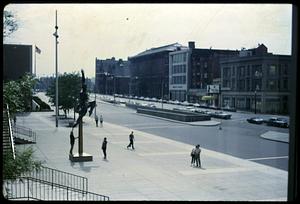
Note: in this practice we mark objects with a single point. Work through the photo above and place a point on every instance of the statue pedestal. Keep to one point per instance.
(80, 157)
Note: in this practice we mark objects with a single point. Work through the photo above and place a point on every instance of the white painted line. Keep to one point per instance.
(162, 153)
(268, 158)
(138, 142)
(208, 170)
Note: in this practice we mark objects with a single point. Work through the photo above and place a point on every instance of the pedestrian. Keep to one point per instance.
(197, 156)
(96, 119)
(193, 156)
(131, 139)
(101, 120)
(72, 141)
(15, 120)
(104, 145)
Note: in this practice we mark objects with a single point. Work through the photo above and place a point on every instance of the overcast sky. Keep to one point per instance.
(87, 31)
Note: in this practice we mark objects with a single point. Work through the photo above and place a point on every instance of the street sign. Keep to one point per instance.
(213, 88)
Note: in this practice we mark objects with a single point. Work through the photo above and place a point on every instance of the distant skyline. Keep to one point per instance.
(90, 31)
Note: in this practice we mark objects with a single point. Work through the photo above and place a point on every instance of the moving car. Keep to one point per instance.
(278, 122)
(255, 120)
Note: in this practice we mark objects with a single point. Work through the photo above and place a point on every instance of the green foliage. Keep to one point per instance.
(10, 24)
(23, 163)
(17, 94)
(69, 86)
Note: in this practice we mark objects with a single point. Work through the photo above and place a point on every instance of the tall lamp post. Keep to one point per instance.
(257, 75)
(95, 103)
(162, 94)
(56, 68)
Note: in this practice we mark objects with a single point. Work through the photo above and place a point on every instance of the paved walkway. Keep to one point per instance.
(158, 168)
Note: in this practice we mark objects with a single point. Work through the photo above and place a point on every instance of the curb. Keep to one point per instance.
(175, 121)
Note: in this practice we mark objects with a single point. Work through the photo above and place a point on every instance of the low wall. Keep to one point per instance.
(174, 115)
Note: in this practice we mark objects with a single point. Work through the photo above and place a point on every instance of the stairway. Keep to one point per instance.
(7, 140)
(23, 135)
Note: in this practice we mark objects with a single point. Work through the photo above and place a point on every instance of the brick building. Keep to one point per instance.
(256, 81)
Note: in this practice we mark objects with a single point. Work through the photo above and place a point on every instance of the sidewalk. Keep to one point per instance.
(158, 168)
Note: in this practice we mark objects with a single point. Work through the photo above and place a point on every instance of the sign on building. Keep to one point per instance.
(213, 88)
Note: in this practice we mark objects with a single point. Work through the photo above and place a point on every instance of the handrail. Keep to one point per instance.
(60, 177)
(21, 130)
(10, 132)
(33, 188)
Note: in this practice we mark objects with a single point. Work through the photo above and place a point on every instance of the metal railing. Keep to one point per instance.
(10, 132)
(57, 177)
(27, 188)
(24, 133)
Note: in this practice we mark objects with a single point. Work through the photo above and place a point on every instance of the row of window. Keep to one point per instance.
(178, 68)
(256, 70)
(178, 80)
(181, 57)
(244, 85)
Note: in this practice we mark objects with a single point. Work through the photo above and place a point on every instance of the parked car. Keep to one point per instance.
(196, 105)
(278, 122)
(220, 114)
(255, 120)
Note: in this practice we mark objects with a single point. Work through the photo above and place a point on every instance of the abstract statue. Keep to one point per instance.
(82, 108)
(84, 105)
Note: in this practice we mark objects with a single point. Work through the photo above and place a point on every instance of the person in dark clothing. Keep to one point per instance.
(15, 120)
(193, 156)
(101, 120)
(72, 141)
(197, 156)
(104, 145)
(131, 139)
(96, 119)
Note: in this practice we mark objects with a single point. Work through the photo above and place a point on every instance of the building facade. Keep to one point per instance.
(150, 72)
(112, 73)
(256, 81)
(192, 70)
(17, 60)
(178, 74)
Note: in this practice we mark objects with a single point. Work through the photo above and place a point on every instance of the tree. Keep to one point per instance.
(18, 94)
(23, 163)
(10, 24)
(69, 86)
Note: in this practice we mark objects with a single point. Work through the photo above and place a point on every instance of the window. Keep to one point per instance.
(272, 70)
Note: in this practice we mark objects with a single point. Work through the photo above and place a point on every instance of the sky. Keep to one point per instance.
(90, 31)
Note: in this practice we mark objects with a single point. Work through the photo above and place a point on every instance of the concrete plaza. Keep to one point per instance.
(158, 168)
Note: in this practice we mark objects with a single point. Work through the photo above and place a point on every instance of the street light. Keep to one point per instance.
(256, 89)
(257, 74)
(56, 68)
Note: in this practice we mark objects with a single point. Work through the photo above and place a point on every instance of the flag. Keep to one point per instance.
(37, 50)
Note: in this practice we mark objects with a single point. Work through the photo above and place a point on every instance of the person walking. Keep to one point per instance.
(197, 156)
(101, 120)
(15, 120)
(96, 119)
(104, 145)
(131, 139)
(72, 141)
(193, 156)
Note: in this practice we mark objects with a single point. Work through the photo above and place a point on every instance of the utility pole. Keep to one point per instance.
(162, 94)
(56, 68)
(95, 103)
